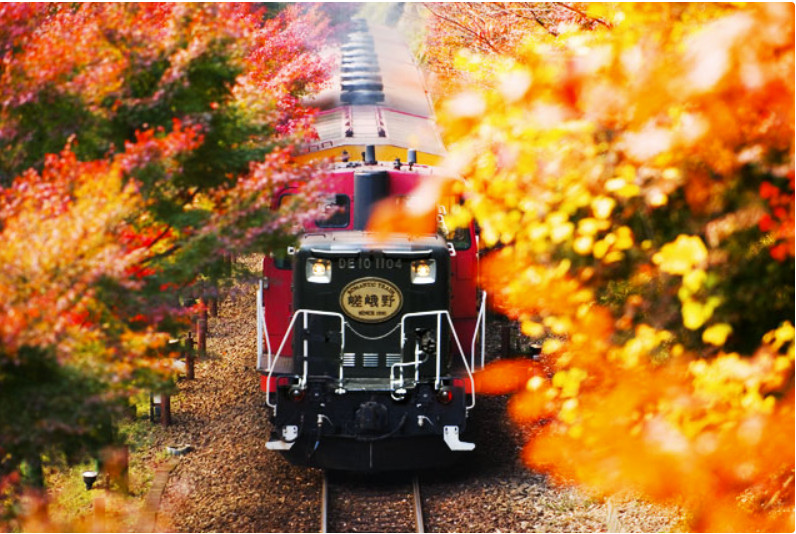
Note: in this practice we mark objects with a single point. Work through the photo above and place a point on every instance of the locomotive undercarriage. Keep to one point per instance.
(411, 416)
(367, 429)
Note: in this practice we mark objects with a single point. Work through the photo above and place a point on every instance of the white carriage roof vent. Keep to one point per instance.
(352, 54)
(359, 52)
(362, 97)
(362, 85)
(365, 68)
(368, 64)
(352, 76)
(359, 46)
(361, 49)
(360, 37)
(360, 58)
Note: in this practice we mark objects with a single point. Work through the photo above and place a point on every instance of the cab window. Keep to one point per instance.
(336, 212)
(282, 260)
(460, 237)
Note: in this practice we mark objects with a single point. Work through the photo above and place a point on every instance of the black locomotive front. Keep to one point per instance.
(375, 382)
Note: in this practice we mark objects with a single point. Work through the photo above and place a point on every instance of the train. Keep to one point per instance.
(366, 345)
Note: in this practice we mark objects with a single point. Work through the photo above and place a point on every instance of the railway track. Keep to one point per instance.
(356, 503)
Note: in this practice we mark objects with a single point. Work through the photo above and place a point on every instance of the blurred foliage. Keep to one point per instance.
(634, 165)
(488, 28)
(140, 145)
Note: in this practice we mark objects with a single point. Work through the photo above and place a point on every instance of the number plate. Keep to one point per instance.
(371, 300)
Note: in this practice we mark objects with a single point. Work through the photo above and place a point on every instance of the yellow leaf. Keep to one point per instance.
(602, 207)
(717, 334)
(672, 174)
(551, 346)
(583, 244)
(783, 334)
(615, 184)
(629, 191)
(569, 381)
(694, 280)
(590, 226)
(532, 329)
(695, 314)
(562, 232)
(624, 238)
(657, 198)
(681, 256)
(782, 363)
(575, 431)
(568, 413)
(600, 249)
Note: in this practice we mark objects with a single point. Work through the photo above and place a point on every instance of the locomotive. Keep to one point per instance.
(376, 339)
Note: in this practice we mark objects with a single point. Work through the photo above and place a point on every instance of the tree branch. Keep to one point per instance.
(535, 18)
(463, 27)
(160, 255)
(584, 15)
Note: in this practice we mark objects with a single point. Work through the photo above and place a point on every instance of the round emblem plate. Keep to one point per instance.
(371, 300)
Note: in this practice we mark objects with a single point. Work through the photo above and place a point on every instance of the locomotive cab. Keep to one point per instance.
(375, 357)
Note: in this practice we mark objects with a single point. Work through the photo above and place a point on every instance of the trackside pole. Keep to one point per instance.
(201, 329)
(189, 357)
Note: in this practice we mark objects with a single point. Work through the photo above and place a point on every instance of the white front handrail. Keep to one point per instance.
(262, 327)
(305, 313)
(439, 314)
(480, 322)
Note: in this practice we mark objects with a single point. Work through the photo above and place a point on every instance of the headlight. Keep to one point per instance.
(319, 271)
(423, 272)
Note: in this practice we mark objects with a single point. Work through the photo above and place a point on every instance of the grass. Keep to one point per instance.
(69, 500)
(72, 507)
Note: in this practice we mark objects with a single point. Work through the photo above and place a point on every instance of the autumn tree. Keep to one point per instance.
(139, 143)
(491, 28)
(635, 166)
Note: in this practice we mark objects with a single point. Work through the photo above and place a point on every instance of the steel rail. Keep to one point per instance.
(325, 504)
(418, 505)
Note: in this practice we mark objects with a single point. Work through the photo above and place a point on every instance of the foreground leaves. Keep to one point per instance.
(141, 145)
(638, 178)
